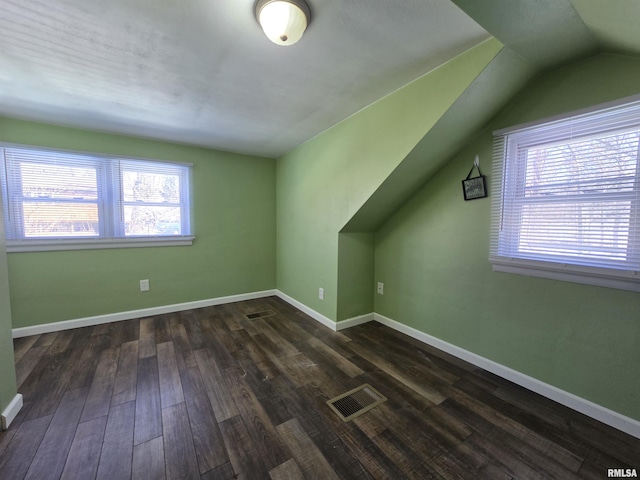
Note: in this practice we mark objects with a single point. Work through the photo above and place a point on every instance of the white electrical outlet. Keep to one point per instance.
(144, 285)
(380, 288)
(321, 293)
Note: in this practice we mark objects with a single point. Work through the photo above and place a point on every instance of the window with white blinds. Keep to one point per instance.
(567, 202)
(61, 200)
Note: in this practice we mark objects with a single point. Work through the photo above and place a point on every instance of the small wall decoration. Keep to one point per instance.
(474, 187)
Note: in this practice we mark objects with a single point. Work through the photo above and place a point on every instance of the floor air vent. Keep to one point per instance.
(356, 402)
(266, 313)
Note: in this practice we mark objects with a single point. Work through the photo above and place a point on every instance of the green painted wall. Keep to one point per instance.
(234, 250)
(7, 372)
(355, 274)
(433, 253)
(324, 182)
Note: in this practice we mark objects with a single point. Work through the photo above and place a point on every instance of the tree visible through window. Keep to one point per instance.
(151, 203)
(569, 197)
(61, 195)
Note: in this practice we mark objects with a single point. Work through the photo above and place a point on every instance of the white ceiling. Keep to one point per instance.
(201, 72)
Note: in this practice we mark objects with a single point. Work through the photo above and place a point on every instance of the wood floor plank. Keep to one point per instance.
(52, 377)
(170, 386)
(560, 454)
(51, 456)
(84, 454)
(215, 383)
(412, 464)
(288, 470)
(5, 438)
(80, 338)
(222, 334)
(351, 452)
(180, 455)
(99, 399)
(27, 362)
(298, 368)
(218, 353)
(46, 339)
(246, 399)
(182, 347)
(263, 434)
(245, 460)
(102, 329)
(278, 395)
(477, 465)
(162, 330)
(90, 353)
(124, 386)
(207, 438)
(442, 359)
(411, 357)
(252, 355)
(147, 339)
(191, 323)
(148, 419)
(286, 327)
(20, 452)
(130, 331)
(348, 449)
(62, 341)
(117, 449)
(429, 392)
(148, 460)
(511, 453)
(22, 345)
(223, 472)
(494, 449)
(305, 452)
(341, 362)
(281, 346)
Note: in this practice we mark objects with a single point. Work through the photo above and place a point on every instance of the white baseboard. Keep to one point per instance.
(145, 312)
(593, 410)
(355, 321)
(326, 321)
(11, 411)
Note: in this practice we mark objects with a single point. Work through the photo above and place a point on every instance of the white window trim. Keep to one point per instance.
(76, 243)
(602, 277)
(598, 276)
(38, 245)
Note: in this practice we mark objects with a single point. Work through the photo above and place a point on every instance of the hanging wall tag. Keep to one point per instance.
(474, 187)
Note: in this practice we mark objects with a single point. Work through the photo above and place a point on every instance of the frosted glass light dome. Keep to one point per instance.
(283, 22)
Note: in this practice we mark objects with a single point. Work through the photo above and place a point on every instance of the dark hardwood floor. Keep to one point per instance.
(212, 394)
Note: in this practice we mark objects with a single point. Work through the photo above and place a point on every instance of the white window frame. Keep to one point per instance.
(110, 203)
(507, 171)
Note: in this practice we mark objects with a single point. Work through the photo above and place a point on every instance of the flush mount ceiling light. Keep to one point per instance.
(283, 21)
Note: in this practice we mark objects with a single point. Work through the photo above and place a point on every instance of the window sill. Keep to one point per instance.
(601, 277)
(51, 245)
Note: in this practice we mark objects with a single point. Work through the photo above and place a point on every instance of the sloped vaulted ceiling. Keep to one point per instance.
(201, 72)
(537, 36)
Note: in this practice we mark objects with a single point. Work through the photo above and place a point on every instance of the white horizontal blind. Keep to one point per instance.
(53, 195)
(570, 193)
